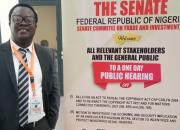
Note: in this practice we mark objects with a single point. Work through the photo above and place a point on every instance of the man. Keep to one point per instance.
(29, 87)
(52, 51)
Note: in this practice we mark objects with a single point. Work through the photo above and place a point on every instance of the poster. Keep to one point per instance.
(121, 64)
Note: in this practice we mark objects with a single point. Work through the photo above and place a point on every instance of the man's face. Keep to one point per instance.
(22, 25)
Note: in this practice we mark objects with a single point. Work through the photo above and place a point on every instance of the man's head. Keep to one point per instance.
(44, 43)
(23, 22)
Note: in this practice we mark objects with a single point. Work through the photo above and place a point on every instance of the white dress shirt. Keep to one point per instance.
(32, 117)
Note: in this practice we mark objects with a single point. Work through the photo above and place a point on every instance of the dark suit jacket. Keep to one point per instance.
(9, 92)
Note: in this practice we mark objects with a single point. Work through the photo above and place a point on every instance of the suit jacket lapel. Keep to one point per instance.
(10, 64)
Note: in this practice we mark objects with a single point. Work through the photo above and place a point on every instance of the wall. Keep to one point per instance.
(46, 28)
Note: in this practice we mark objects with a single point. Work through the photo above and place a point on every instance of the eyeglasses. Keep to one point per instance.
(28, 19)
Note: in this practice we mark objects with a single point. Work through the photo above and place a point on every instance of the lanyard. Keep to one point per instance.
(28, 69)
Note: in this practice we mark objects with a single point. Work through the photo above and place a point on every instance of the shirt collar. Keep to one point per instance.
(17, 47)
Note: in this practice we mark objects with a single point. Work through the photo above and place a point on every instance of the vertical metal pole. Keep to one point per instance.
(59, 44)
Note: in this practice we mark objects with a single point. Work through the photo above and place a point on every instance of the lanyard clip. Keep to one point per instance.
(32, 79)
(33, 85)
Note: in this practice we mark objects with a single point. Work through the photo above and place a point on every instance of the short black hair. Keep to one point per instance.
(23, 5)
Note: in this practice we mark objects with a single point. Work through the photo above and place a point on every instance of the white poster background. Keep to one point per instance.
(78, 73)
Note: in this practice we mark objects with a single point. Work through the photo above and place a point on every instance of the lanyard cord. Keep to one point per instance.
(28, 69)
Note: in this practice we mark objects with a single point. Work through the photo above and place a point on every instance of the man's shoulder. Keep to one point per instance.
(41, 48)
(46, 49)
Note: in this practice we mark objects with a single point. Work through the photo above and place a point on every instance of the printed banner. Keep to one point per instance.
(121, 65)
(105, 72)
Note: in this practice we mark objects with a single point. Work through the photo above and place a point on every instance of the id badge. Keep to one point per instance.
(36, 106)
